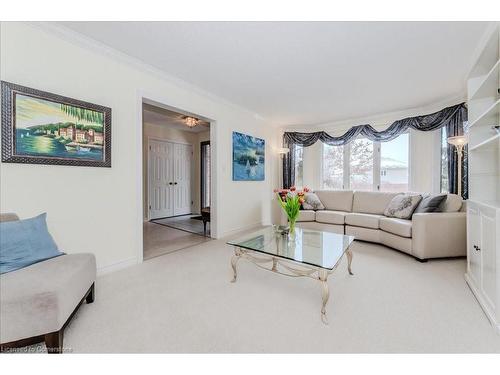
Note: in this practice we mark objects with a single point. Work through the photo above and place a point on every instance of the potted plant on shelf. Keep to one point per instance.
(291, 200)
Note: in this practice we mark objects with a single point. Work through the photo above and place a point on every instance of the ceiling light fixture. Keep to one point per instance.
(191, 121)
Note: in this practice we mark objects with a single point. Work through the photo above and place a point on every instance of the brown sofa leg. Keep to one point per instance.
(91, 295)
(54, 342)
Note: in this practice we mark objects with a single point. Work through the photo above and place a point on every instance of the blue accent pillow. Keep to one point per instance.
(25, 242)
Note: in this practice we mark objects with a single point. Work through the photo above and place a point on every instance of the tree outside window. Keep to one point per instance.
(333, 167)
(361, 164)
(299, 165)
(354, 165)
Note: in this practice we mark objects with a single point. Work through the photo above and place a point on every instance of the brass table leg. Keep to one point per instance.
(275, 262)
(325, 293)
(349, 261)
(234, 261)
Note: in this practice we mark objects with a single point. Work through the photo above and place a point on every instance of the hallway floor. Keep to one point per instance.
(160, 240)
(185, 222)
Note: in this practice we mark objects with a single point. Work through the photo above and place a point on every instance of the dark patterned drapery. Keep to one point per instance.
(453, 118)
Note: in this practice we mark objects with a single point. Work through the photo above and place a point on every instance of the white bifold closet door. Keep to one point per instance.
(169, 166)
(182, 179)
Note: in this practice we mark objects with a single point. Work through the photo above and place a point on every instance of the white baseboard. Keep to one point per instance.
(116, 266)
(480, 299)
(241, 229)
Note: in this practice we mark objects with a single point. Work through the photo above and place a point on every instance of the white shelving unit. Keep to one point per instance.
(483, 208)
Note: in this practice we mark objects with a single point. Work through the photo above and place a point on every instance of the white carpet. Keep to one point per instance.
(184, 302)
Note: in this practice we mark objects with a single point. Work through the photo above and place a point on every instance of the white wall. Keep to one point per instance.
(61, 63)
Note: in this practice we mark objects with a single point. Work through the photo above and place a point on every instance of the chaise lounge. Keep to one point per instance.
(37, 302)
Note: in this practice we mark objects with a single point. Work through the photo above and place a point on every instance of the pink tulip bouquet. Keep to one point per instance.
(291, 200)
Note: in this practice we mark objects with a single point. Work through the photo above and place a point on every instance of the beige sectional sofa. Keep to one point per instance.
(361, 214)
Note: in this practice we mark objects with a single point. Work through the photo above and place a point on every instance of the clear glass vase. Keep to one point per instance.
(291, 223)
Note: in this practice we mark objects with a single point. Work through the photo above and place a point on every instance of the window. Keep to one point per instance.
(366, 165)
(299, 165)
(394, 164)
(361, 164)
(444, 162)
(333, 167)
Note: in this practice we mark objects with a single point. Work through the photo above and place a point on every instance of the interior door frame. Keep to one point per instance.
(148, 190)
(202, 190)
(195, 111)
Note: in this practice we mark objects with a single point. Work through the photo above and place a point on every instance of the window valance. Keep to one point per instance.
(452, 118)
(447, 116)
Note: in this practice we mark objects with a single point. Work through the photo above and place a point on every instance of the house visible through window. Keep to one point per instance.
(394, 164)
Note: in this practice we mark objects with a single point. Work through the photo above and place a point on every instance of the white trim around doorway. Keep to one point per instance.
(214, 219)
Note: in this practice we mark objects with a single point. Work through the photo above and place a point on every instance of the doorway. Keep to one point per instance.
(172, 179)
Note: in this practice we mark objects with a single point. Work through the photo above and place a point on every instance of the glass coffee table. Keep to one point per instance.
(307, 253)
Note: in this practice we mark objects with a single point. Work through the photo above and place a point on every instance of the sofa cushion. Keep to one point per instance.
(401, 227)
(38, 299)
(306, 215)
(403, 244)
(363, 220)
(330, 217)
(453, 203)
(363, 234)
(431, 203)
(336, 200)
(402, 206)
(25, 242)
(312, 202)
(371, 202)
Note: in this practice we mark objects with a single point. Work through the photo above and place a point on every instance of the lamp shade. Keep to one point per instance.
(459, 140)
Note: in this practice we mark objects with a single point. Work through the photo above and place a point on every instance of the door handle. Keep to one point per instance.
(170, 183)
(175, 183)
(477, 248)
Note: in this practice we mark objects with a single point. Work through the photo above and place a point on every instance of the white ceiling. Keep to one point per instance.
(305, 72)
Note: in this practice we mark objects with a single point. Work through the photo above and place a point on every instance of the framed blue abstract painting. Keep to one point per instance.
(248, 158)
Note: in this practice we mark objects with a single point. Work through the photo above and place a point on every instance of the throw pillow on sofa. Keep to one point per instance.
(312, 202)
(25, 242)
(431, 203)
(402, 206)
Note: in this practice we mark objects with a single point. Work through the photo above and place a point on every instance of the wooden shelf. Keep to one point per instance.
(490, 142)
(489, 117)
(489, 85)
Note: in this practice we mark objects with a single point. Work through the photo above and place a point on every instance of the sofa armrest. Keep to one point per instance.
(440, 234)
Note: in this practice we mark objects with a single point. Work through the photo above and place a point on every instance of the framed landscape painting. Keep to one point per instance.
(248, 158)
(43, 128)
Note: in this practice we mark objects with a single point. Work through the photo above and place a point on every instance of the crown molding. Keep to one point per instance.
(84, 41)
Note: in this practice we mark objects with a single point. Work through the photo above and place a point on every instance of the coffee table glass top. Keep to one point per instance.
(312, 247)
